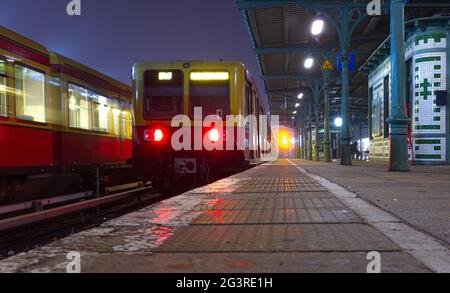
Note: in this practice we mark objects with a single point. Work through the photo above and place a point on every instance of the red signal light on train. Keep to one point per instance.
(214, 135)
(156, 135)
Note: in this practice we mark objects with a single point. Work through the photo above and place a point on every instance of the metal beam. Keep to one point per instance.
(306, 51)
(286, 89)
(297, 49)
(312, 4)
(312, 48)
(266, 77)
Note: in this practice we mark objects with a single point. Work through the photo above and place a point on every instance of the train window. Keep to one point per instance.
(100, 111)
(78, 107)
(163, 94)
(211, 94)
(2, 68)
(3, 102)
(126, 124)
(116, 118)
(30, 94)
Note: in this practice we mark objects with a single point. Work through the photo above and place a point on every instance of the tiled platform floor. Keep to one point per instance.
(271, 218)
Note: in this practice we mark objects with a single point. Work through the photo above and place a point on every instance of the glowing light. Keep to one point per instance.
(165, 76)
(213, 135)
(116, 112)
(293, 141)
(295, 112)
(210, 76)
(300, 96)
(309, 62)
(72, 100)
(158, 135)
(317, 27)
(338, 122)
(284, 138)
(297, 105)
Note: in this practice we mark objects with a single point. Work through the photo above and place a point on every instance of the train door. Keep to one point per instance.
(117, 137)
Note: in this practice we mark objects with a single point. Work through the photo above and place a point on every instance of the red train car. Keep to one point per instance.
(59, 120)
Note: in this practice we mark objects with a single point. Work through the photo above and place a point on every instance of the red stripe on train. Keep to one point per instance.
(24, 52)
(28, 147)
(93, 80)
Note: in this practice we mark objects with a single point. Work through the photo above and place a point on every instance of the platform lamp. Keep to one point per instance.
(317, 26)
(309, 62)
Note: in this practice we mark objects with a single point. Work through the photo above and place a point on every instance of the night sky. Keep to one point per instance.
(113, 34)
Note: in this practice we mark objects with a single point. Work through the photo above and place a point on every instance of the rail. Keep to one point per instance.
(35, 217)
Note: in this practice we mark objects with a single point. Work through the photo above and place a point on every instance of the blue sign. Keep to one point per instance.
(351, 64)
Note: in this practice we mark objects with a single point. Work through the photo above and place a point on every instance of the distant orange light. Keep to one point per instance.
(284, 139)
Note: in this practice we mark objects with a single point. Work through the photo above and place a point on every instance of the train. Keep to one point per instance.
(166, 90)
(67, 128)
(59, 122)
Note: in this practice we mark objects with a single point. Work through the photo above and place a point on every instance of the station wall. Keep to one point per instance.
(427, 60)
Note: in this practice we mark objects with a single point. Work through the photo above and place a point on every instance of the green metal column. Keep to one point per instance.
(304, 133)
(304, 136)
(326, 118)
(345, 130)
(303, 143)
(310, 155)
(316, 130)
(298, 143)
(369, 113)
(398, 159)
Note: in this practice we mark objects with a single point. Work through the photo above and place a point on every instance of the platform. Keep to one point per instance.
(276, 217)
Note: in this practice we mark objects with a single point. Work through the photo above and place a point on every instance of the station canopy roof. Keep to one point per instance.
(281, 34)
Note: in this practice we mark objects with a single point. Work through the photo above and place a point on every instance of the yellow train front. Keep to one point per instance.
(164, 92)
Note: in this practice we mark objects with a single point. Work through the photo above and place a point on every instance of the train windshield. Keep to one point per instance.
(163, 94)
(211, 92)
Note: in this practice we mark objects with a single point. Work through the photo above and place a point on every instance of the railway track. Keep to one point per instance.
(30, 230)
(70, 214)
